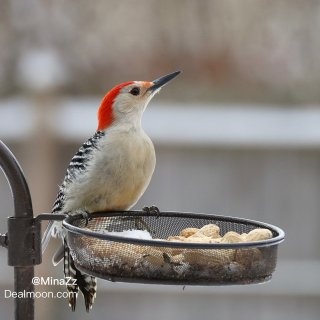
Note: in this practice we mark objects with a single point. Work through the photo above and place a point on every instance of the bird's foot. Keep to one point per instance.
(85, 216)
(152, 210)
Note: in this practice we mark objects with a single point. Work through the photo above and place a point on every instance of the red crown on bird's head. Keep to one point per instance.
(105, 112)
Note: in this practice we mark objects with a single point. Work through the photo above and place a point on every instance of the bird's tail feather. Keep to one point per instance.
(46, 236)
(70, 274)
(78, 280)
(58, 256)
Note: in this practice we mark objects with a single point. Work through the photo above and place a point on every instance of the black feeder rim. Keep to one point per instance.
(278, 233)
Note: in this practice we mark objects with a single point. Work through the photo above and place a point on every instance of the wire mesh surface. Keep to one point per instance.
(117, 258)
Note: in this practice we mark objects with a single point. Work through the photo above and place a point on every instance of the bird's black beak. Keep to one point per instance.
(160, 82)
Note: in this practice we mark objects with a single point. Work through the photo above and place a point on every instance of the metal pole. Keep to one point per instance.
(23, 235)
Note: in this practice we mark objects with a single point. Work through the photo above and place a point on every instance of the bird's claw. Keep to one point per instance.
(85, 216)
(152, 210)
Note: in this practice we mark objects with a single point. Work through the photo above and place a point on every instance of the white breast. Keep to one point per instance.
(117, 175)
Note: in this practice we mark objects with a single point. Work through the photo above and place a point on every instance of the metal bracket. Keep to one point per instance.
(26, 231)
(50, 216)
(28, 228)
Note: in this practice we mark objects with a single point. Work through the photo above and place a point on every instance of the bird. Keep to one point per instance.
(110, 171)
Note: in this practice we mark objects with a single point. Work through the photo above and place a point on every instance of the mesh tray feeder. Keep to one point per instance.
(118, 258)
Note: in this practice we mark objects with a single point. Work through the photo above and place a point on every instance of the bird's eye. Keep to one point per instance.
(135, 91)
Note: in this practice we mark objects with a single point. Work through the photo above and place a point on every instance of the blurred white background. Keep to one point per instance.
(236, 134)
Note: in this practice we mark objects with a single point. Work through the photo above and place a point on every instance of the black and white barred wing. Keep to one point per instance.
(76, 167)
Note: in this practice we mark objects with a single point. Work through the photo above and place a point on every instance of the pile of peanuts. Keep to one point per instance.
(210, 233)
(130, 255)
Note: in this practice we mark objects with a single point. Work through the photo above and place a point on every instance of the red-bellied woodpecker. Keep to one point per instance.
(111, 171)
